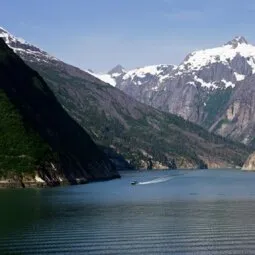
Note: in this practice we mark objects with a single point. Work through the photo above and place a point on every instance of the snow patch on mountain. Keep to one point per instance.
(116, 75)
(107, 78)
(9, 38)
(228, 83)
(239, 77)
(205, 84)
(142, 72)
(224, 54)
(136, 76)
(23, 47)
(162, 78)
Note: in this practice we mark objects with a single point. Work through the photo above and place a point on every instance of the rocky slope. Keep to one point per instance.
(131, 133)
(250, 163)
(238, 118)
(201, 89)
(39, 142)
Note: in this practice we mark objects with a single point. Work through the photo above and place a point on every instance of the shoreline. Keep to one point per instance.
(9, 184)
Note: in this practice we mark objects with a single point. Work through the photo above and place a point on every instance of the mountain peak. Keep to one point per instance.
(236, 41)
(10, 39)
(117, 69)
(2, 30)
(23, 47)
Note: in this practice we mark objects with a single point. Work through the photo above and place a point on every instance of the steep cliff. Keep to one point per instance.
(39, 141)
(250, 163)
(238, 118)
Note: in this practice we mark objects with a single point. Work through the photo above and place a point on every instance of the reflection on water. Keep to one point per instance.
(200, 212)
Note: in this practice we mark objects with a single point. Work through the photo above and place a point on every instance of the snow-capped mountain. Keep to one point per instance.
(138, 76)
(142, 75)
(219, 67)
(25, 49)
(198, 89)
(229, 63)
(137, 82)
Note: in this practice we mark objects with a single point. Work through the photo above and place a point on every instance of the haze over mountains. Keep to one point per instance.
(211, 87)
(131, 133)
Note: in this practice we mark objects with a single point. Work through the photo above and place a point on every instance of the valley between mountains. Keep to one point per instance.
(196, 115)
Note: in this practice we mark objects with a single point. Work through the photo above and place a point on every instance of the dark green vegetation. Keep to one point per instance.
(21, 148)
(144, 136)
(36, 132)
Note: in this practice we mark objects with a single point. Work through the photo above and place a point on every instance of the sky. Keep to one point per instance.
(99, 34)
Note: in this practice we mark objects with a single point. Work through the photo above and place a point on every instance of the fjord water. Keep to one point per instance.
(168, 212)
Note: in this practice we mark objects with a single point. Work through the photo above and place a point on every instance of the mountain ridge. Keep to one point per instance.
(200, 88)
(131, 132)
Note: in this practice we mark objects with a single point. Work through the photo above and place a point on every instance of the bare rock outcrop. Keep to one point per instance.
(250, 163)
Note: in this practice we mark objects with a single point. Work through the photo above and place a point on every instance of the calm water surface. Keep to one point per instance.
(169, 212)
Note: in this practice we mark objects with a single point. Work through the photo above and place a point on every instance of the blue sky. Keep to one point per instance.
(98, 34)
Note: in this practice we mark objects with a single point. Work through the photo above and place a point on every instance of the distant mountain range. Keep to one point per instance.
(131, 133)
(212, 87)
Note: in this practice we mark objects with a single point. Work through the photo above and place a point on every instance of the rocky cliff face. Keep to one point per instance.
(39, 141)
(200, 89)
(238, 119)
(250, 163)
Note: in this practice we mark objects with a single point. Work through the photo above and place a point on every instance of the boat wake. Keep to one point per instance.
(158, 180)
